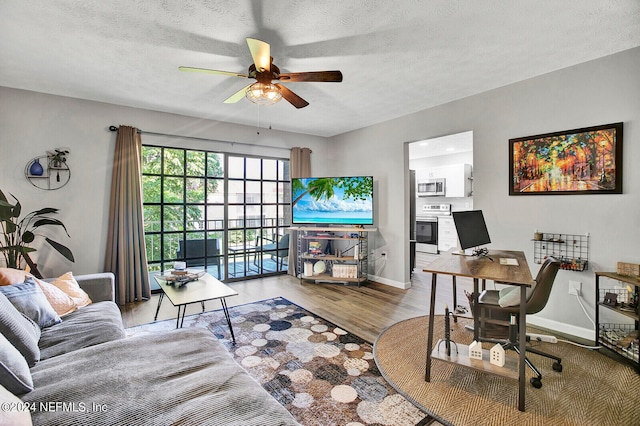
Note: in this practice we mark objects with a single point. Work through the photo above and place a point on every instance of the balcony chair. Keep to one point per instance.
(496, 307)
(279, 250)
(193, 252)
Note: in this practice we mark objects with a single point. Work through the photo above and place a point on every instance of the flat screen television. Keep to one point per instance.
(332, 200)
(472, 229)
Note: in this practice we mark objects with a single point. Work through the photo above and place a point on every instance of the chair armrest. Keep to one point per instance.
(100, 286)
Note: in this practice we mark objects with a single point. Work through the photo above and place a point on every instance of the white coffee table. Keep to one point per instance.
(205, 288)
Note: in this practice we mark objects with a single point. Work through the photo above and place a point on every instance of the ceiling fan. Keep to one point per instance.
(264, 92)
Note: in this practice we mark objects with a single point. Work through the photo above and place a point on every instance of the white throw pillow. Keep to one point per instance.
(510, 296)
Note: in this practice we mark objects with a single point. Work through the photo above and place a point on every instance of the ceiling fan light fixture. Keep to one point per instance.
(264, 93)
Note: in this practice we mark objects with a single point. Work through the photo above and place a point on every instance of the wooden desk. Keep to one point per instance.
(485, 268)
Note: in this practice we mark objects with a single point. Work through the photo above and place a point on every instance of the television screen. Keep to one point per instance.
(472, 229)
(332, 200)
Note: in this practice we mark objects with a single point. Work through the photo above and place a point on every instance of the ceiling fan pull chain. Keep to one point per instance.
(258, 132)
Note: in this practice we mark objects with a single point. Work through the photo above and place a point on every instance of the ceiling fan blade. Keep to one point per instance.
(293, 99)
(208, 71)
(261, 54)
(330, 76)
(237, 96)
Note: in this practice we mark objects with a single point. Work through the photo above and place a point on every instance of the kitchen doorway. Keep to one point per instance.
(441, 171)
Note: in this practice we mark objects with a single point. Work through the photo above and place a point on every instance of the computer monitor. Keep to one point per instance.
(472, 229)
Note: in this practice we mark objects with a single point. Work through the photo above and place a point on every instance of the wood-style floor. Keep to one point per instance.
(365, 311)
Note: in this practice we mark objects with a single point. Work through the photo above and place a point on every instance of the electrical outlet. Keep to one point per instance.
(575, 287)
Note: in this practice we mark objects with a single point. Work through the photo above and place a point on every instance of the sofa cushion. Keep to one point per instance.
(70, 286)
(91, 325)
(60, 301)
(29, 299)
(183, 376)
(14, 371)
(21, 331)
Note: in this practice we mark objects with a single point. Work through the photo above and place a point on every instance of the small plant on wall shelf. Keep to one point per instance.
(19, 234)
(58, 157)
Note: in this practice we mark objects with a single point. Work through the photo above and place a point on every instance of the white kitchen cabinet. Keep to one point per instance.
(447, 234)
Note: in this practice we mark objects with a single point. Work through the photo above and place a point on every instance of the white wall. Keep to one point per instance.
(32, 123)
(603, 91)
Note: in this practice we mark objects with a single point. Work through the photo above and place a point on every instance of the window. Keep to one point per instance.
(221, 212)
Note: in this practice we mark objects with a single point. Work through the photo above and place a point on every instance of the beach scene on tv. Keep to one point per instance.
(333, 200)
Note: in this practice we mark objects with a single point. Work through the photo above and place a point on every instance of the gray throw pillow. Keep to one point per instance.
(20, 331)
(14, 371)
(29, 299)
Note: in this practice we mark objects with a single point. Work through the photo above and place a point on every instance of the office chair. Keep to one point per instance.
(495, 320)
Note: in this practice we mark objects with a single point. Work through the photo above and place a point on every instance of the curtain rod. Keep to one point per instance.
(115, 128)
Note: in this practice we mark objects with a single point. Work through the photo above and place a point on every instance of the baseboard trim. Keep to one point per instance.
(392, 283)
(562, 328)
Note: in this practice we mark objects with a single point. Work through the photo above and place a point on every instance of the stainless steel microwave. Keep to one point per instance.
(430, 187)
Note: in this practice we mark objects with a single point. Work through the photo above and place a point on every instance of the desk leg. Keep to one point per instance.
(455, 299)
(476, 321)
(522, 346)
(432, 307)
(159, 303)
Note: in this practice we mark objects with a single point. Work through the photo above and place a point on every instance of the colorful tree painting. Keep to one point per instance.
(584, 160)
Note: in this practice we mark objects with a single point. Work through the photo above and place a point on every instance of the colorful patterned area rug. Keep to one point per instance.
(322, 374)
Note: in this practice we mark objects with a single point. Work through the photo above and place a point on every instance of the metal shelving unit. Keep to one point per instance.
(345, 267)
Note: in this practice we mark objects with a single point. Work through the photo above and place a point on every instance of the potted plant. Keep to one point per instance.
(59, 157)
(18, 235)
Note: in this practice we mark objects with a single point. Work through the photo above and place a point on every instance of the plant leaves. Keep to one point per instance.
(28, 237)
(63, 250)
(49, 221)
(46, 210)
(17, 209)
(9, 227)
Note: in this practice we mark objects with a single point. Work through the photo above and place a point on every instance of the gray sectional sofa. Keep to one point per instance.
(90, 373)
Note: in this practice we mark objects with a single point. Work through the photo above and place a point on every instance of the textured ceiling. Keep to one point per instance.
(397, 57)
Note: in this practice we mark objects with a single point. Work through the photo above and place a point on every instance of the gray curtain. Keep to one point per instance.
(300, 166)
(126, 253)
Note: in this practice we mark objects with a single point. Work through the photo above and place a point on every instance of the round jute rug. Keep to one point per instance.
(592, 389)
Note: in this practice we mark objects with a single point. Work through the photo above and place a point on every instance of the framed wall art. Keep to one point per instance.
(580, 161)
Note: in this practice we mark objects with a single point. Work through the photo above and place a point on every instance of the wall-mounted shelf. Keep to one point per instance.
(570, 249)
(52, 177)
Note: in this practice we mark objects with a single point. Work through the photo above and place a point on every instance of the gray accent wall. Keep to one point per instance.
(602, 91)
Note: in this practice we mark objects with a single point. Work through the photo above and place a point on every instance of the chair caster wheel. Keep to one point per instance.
(535, 382)
(557, 367)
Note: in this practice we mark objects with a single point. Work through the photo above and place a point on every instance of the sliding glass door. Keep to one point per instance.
(225, 213)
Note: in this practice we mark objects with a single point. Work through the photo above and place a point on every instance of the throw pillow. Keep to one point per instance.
(21, 331)
(14, 371)
(510, 296)
(69, 285)
(60, 301)
(10, 276)
(13, 416)
(31, 301)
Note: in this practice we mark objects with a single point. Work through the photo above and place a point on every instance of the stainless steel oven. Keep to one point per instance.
(427, 234)
(427, 226)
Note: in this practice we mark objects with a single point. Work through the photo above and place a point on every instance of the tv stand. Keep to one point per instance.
(338, 265)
